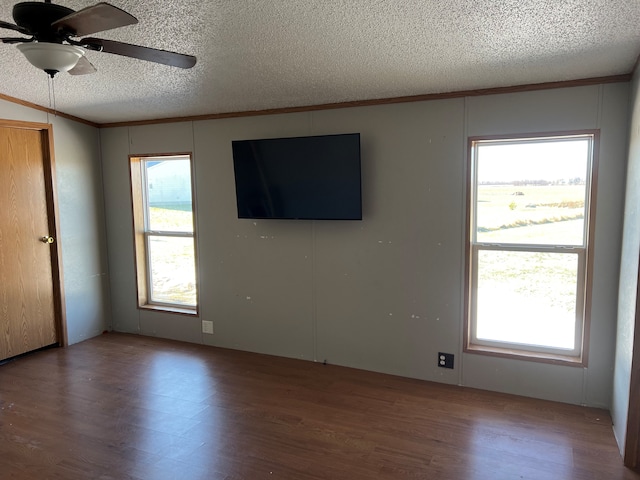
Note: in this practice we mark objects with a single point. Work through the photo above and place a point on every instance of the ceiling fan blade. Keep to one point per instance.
(165, 57)
(97, 18)
(15, 40)
(11, 26)
(83, 67)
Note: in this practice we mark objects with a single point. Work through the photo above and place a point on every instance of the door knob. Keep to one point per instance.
(47, 239)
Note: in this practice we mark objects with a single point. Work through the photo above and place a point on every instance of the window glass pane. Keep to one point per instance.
(527, 298)
(173, 272)
(169, 195)
(532, 192)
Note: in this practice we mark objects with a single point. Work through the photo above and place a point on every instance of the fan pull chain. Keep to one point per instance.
(52, 98)
(49, 92)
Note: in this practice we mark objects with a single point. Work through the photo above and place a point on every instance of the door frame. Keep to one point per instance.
(48, 161)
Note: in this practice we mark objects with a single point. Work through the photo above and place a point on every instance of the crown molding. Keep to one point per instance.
(332, 106)
(51, 111)
(383, 101)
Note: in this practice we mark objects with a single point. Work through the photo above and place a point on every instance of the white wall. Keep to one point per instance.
(82, 226)
(606, 108)
(627, 298)
(386, 293)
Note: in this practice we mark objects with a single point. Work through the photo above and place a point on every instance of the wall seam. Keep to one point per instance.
(585, 370)
(109, 324)
(462, 321)
(314, 283)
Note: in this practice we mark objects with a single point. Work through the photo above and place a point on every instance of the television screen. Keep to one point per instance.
(311, 178)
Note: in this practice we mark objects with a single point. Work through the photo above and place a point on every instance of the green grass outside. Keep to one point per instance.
(179, 206)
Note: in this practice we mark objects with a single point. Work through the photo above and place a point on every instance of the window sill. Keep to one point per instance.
(167, 309)
(511, 353)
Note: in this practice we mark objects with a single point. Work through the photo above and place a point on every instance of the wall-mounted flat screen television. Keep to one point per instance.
(306, 178)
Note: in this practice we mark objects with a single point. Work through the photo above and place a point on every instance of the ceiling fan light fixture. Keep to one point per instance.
(51, 57)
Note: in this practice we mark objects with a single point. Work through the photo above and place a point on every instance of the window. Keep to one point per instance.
(164, 221)
(528, 266)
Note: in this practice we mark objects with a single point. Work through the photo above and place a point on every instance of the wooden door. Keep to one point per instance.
(30, 295)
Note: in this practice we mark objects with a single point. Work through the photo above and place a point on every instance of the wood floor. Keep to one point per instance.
(128, 407)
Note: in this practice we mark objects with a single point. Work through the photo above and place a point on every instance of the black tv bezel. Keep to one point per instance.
(321, 218)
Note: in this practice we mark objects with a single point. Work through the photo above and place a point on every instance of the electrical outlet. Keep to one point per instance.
(445, 360)
(207, 326)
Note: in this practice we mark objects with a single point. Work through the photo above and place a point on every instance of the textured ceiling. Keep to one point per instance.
(263, 54)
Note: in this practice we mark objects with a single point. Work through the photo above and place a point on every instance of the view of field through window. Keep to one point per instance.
(170, 242)
(529, 239)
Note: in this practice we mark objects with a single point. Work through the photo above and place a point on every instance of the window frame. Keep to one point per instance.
(579, 356)
(143, 234)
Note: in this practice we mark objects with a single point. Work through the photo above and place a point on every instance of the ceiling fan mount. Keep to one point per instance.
(37, 17)
(57, 29)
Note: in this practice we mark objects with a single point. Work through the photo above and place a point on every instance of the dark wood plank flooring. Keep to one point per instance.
(130, 407)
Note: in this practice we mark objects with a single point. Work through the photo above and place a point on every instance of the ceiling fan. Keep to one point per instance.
(53, 42)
